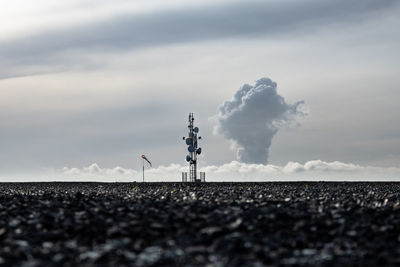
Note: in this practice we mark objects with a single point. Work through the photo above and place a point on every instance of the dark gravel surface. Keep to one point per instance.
(219, 224)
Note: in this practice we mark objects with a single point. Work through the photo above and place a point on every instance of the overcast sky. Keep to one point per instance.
(103, 82)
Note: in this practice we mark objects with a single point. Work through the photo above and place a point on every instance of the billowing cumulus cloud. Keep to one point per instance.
(315, 170)
(252, 118)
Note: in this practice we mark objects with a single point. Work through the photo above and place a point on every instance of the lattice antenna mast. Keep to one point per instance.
(193, 149)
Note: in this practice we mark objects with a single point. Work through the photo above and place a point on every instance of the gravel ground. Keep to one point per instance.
(219, 224)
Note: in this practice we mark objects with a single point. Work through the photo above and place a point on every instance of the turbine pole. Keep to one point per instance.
(145, 159)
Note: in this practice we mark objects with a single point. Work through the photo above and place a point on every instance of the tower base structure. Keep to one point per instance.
(202, 178)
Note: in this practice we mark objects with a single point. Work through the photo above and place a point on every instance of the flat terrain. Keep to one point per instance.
(220, 224)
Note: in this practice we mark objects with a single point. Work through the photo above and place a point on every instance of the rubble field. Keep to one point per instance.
(188, 224)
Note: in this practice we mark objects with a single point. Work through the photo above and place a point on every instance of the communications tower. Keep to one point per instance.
(194, 150)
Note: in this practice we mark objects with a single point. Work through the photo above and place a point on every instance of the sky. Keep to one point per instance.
(86, 87)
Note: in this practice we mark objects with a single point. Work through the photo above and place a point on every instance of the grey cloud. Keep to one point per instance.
(103, 135)
(252, 19)
(252, 118)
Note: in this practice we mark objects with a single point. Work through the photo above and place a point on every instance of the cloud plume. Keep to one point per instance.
(252, 118)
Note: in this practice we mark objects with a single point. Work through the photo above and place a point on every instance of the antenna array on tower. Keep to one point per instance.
(193, 149)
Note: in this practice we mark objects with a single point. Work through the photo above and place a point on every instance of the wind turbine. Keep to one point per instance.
(148, 161)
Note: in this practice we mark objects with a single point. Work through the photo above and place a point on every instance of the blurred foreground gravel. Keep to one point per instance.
(219, 224)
